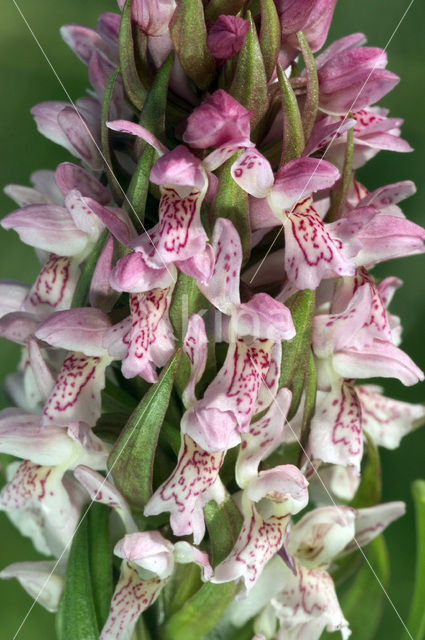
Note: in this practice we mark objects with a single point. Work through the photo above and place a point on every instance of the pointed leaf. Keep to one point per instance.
(293, 134)
(81, 293)
(249, 85)
(312, 97)
(232, 203)
(269, 36)
(340, 196)
(153, 119)
(370, 488)
(204, 609)
(416, 620)
(132, 84)
(114, 184)
(100, 553)
(295, 352)
(189, 36)
(309, 399)
(132, 458)
(77, 613)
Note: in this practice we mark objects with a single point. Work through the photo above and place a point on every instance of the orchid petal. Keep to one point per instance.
(39, 580)
(386, 420)
(263, 437)
(70, 176)
(222, 289)
(54, 288)
(301, 177)
(336, 428)
(115, 220)
(132, 274)
(76, 330)
(47, 227)
(263, 317)
(131, 597)
(372, 521)
(182, 493)
(195, 346)
(100, 490)
(149, 550)
(12, 295)
(124, 126)
(77, 130)
(253, 173)
(101, 294)
(76, 396)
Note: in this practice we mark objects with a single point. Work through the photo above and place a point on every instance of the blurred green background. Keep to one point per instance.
(27, 79)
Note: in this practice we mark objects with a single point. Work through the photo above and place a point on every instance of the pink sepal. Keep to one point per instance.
(179, 168)
(23, 196)
(354, 79)
(77, 130)
(312, 17)
(213, 429)
(12, 295)
(70, 176)
(18, 326)
(152, 16)
(301, 177)
(83, 41)
(115, 220)
(41, 580)
(101, 294)
(372, 521)
(47, 227)
(386, 420)
(325, 133)
(100, 490)
(79, 330)
(132, 274)
(387, 237)
(125, 126)
(219, 120)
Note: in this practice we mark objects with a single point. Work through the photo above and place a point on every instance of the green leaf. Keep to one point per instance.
(189, 36)
(370, 487)
(100, 556)
(81, 293)
(366, 595)
(269, 36)
(249, 85)
(184, 582)
(223, 523)
(340, 197)
(309, 399)
(132, 458)
(203, 610)
(295, 352)
(416, 620)
(114, 185)
(217, 7)
(77, 618)
(231, 202)
(132, 84)
(153, 118)
(312, 97)
(293, 133)
(153, 113)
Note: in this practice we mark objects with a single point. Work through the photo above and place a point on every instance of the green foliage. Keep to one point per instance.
(81, 293)
(312, 90)
(293, 133)
(132, 458)
(132, 84)
(189, 36)
(85, 601)
(416, 619)
(269, 36)
(249, 85)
